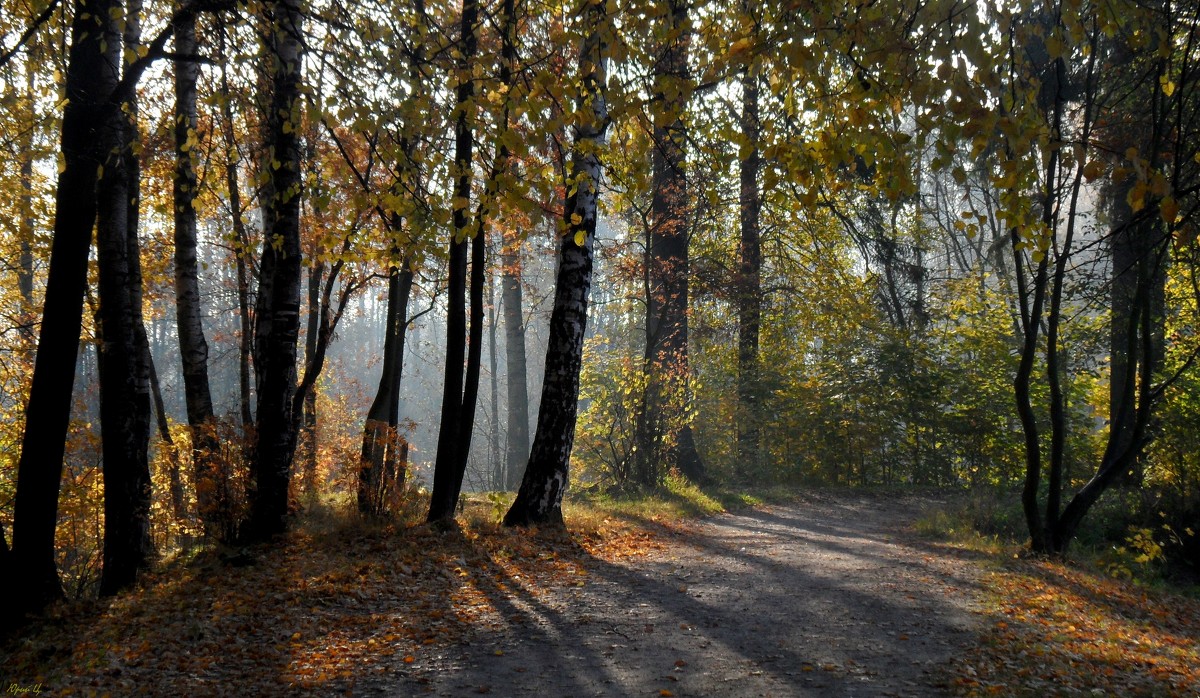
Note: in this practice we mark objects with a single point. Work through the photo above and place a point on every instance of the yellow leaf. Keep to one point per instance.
(1137, 197)
(580, 237)
(1168, 85)
(1169, 208)
(62, 163)
(459, 202)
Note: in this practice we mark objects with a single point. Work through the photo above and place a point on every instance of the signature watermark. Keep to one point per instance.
(23, 689)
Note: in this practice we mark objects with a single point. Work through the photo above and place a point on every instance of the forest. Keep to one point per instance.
(262, 257)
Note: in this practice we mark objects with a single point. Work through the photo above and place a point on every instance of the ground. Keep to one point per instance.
(826, 597)
(831, 594)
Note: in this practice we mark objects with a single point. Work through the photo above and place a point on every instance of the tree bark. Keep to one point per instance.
(277, 323)
(495, 462)
(189, 311)
(123, 348)
(241, 249)
(666, 358)
(381, 468)
(452, 451)
(539, 499)
(89, 83)
(308, 407)
(516, 379)
(749, 285)
(26, 232)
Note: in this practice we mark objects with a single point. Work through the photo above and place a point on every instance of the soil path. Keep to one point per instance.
(833, 596)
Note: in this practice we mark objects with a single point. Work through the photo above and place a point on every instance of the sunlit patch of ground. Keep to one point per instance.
(1062, 630)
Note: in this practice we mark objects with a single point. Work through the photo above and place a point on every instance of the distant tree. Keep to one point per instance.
(515, 363)
(516, 366)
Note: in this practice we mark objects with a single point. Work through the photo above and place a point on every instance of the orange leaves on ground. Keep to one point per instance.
(1059, 630)
(315, 613)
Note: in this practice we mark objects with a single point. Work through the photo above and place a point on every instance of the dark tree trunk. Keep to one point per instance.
(189, 311)
(1140, 246)
(474, 353)
(749, 287)
(381, 469)
(539, 499)
(1137, 244)
(123, 349)
(662, 443)
(277, 322)
(458, 412)
(90, 80)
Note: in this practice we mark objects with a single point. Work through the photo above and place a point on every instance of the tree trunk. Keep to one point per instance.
(666, 439)
(123, 349)
(1140, 253)
(326, 322)
(189, 311)
(308, 412)
(749, 286)
(25, 258)
(495, 462)
(380, 468)
(277, 323)
(89, 82)
(539, 499)
(452, 451)
(516, 368)
(1136, 243)
(241, 250)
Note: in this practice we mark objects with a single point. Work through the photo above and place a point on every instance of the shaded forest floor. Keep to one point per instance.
(832, 594)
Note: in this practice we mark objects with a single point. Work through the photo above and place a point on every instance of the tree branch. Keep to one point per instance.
(29, 32)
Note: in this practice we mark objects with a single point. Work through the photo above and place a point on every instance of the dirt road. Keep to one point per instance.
(834, 596)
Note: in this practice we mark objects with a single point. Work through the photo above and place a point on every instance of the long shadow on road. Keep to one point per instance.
(790, 601)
